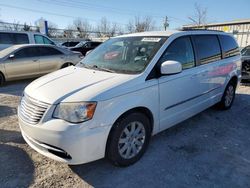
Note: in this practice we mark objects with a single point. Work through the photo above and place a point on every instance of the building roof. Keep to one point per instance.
(235, 22)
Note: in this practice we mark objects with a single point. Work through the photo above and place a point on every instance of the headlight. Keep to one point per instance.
(75, 112)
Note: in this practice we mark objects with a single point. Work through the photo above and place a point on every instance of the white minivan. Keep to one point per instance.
(9, 38)
(126, 90)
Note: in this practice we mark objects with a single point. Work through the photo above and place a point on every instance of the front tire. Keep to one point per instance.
(128, 139)
(1, 79)
(228, 96)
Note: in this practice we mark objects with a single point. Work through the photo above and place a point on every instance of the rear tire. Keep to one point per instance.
(128, 139)
(66, 65)
(228, 97)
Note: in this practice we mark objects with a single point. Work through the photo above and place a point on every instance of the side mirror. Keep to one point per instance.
(88, 52)
(11, 56)
(171, 67)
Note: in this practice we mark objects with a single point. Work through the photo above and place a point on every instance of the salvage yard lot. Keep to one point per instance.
(209, 150)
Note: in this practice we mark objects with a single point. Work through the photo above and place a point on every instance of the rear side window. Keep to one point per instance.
(207, 48)
(229, 46)
(180, 50)
(246, 51)
(6, 38)
(26, 52)
(13, 38)
(39, 39)
(21, 38)
(47, 41)
(47, 51)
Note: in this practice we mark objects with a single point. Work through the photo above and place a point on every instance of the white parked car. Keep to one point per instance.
(9, 38)
(126, 90)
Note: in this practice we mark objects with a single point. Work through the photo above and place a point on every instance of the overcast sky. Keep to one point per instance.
(63, 12)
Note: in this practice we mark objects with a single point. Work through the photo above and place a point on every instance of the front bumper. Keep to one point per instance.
(64, 142)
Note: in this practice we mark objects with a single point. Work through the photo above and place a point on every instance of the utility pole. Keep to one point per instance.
(166, 24)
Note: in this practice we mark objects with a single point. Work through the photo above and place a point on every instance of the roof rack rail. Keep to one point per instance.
(197, 29)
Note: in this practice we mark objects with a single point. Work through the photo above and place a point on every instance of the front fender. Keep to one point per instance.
(109, 111)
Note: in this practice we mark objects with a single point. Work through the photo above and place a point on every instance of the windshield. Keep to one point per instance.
(245, 51)
(129, 55)
(7, 51)
(80, 44)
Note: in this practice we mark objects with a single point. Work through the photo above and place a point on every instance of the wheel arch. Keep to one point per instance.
(234, 80)
(66, 64)
(141, 109)
(4, 79)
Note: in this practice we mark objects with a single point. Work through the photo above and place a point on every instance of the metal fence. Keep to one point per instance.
(59, 35)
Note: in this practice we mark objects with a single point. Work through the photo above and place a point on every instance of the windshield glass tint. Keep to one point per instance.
(128, 55)
(80, 44)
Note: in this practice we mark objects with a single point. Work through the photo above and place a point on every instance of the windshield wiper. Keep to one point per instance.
(95, 67)
(85, 65)
(102, 69)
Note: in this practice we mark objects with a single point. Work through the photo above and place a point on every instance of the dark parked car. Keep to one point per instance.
(85, 46)
(70, 43)
(246, 63)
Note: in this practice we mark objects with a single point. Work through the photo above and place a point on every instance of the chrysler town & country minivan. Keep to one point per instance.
(126, 90)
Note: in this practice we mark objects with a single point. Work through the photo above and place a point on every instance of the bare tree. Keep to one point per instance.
(69, 31)
(16, 26)
(130, 26)
(140, 24)
(52, 29)
(83, 27)
(106, 29)
(26, 27)
(103, 28)
(200, 15)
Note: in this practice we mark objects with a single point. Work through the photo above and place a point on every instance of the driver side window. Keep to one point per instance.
(180, 50)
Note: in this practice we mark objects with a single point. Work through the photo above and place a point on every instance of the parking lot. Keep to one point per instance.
(208, 150)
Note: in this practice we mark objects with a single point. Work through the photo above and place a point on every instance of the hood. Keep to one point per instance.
(74, 84)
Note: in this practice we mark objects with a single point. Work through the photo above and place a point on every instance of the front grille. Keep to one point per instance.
(31, 110)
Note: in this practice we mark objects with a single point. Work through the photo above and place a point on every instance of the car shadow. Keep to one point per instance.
(17, 168)
(15, 87)
(7, 136)
(7, 111)
(210, 149)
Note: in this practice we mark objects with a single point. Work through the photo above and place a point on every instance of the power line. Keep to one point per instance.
(46, 12)
(84, 5)
(68, 16)
(76, 4)
(127, 10)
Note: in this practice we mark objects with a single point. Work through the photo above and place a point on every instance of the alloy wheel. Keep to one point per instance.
(131, 140)
(229, 95)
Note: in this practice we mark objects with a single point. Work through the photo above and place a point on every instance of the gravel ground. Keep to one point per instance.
(209, 150)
